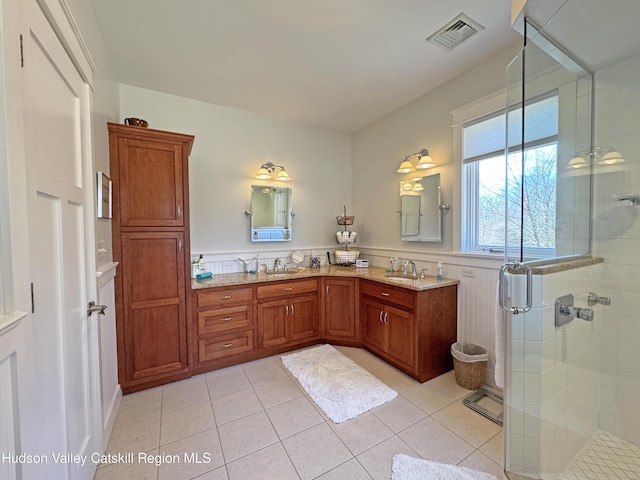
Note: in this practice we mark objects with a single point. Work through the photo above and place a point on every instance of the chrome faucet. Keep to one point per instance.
(414, 270)
(277, 263)
(422, 272)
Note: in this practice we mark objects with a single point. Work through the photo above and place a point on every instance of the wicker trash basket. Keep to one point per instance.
(470, 364)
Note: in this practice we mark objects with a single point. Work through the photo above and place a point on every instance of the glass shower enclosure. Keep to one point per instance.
(573, 145)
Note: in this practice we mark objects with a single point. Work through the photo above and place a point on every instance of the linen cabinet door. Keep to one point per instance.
(272, 323)
(154, 304)
(374, 328)
(303, 318)
(151, 183)
(400, 334)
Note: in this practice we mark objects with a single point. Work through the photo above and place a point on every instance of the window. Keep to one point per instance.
(494, 188)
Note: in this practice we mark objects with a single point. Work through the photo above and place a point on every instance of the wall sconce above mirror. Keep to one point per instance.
(424, 162)
(266, 171)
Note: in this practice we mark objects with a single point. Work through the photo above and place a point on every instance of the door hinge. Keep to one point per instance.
(33, 303)
(21, 52)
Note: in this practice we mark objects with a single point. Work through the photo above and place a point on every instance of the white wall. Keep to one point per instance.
(379, 148)
(229, 146)
(616, 232)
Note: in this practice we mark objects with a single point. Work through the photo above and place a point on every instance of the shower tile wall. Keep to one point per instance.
(616, 234)
(554, 394)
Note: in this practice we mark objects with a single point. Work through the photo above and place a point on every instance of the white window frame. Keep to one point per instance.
(465, 213)
(460, 116)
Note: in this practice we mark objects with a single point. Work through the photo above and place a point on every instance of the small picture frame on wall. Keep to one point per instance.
(104, 196)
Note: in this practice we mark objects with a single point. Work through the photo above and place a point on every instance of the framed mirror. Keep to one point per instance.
(421, 215)
(270, 214)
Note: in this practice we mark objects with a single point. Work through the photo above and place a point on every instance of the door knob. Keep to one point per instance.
(92, 307)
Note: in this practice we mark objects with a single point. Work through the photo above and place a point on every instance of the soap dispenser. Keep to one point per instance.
(439, 272)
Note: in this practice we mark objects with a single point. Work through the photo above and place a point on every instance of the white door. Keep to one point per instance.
(57, 133)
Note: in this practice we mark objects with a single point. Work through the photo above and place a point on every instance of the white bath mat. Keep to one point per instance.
(405, 467)
(340, 387)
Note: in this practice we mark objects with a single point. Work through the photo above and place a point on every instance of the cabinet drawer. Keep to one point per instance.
(387, 294)
(219, 346)
(224, 297)
(287, 288)
(220, 319)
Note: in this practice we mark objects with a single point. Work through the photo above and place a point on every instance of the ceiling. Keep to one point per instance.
(337, 64)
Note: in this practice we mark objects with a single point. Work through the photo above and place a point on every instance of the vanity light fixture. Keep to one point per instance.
(424, 161)
(577, 162)
(603, 155)
(413, 185)
(266, 170)
(611, 158)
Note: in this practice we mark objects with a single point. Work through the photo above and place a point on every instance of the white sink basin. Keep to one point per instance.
(401, 278)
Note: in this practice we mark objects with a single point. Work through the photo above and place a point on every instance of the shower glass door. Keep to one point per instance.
(548, 211)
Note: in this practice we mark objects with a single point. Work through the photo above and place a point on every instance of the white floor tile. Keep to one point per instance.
(235, 405)
(246, 435)
(294, 416)
(256, 422)
(187, 421)
(434, 442)
(351, 470)
(361, 433)
(467, 424)
(267, 464)
(316, 451)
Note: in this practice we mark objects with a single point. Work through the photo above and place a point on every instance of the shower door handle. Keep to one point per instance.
(502, 284)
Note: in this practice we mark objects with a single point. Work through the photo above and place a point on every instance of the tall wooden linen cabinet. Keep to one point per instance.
(149, 170)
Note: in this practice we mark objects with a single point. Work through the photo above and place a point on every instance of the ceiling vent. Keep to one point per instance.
(455, 32)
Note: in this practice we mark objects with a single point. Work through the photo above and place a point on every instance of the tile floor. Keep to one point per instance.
(605, 457)
(254, 421)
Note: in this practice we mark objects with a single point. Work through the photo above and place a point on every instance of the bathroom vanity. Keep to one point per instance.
(411, 324)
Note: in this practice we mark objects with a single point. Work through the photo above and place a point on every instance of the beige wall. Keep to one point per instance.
(230, 145)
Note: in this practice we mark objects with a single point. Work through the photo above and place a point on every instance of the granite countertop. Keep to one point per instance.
(377, 274)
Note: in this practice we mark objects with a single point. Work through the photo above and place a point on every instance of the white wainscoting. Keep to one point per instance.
(9, 432)
(110, 391)
(10, 343)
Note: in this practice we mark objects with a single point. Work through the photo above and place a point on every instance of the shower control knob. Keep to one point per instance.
(593, 298)
(584, 313)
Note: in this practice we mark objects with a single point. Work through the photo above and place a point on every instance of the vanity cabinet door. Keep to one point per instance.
(374, 328)
(303, 318)
(272, 323)
(288, 320)
(388, 330)
(340, 308)
(400, 336)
